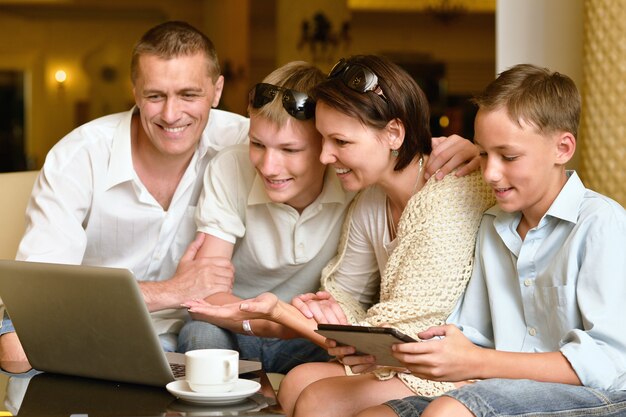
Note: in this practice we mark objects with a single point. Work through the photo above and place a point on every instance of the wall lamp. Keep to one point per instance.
(60, 76)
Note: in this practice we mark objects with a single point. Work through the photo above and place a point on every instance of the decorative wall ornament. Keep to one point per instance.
(322, 39)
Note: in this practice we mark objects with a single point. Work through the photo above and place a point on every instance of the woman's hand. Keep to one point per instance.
(320, 306)
(264, 306)
(346, 355)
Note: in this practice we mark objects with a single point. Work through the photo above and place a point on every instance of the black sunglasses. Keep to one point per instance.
(357, 77)
(297, 104)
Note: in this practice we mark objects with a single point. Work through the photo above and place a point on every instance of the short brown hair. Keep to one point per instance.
(547, 100)
(172, 39)
(404, 100)
(296, 75)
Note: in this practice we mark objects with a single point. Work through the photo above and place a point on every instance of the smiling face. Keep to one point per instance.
(287, 160)
(524, 167)
(174, 97)
(356, 152)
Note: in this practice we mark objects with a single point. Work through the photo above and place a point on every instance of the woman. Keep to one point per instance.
(276, 211)
(417, 235)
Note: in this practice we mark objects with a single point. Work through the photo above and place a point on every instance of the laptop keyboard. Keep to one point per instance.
(178, 369)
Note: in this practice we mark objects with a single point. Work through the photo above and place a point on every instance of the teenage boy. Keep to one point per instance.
(540, 328)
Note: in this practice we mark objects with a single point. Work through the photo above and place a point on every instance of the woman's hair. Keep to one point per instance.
(547, 100)
(173, 39)
(296, 75)
(403, 100)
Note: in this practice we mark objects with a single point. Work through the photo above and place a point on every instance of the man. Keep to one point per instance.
(121, 190)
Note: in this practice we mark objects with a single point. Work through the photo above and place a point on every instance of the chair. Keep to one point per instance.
(15, 188)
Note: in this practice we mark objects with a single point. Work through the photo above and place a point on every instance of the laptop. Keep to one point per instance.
(87, 321)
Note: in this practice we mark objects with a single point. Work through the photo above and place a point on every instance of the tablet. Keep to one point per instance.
(376, 341)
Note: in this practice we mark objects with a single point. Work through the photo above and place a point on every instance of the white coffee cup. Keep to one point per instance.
(212, 370)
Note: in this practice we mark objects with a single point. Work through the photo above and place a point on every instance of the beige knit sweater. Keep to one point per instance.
(428, 270)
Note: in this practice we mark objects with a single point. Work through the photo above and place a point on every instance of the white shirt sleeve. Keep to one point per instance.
(221, 208)
(55, 214)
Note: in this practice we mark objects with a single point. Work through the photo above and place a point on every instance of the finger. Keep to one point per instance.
(302, 307)
(323, 295)
(450, 154)
(468, 168)
(333, 314)
(342, 351)
(317, 312)
(341, 315)
(355, 360)
(362, 369)
(193, 248)
(437, 141)
(436, 331)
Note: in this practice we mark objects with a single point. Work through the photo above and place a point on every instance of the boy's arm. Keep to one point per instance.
(447, 355)
(269, 316)
(449, 153)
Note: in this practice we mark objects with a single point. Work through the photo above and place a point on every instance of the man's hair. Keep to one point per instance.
(404, 100)
(296, 75)
(547, 100)
(173, 39)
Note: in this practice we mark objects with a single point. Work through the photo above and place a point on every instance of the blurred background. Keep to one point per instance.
(65, 62)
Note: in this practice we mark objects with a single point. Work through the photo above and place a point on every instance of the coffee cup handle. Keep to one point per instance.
(230, 370)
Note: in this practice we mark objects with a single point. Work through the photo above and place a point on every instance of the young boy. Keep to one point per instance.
(541, 323)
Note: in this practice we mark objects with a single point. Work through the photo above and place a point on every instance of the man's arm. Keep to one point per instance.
(203, 270)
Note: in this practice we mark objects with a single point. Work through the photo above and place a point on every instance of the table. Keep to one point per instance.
(59, 395)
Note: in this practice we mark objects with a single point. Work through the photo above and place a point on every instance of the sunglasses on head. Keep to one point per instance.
(297, 104)
(357, 77)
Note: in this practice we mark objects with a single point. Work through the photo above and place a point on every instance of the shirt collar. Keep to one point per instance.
(332, 192)
(565, 206)
(121, 167)
(121, 162)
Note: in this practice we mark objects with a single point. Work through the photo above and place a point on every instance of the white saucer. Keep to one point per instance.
(242, 390)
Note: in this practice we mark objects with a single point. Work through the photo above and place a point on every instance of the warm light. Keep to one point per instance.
(444, 121)
(60, 76)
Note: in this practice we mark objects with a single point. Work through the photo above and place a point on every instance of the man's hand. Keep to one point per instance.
(195, 278)
(450, 153)
(321, 307)
(12, 356)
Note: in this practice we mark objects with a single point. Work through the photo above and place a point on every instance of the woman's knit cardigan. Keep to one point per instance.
(428, 270)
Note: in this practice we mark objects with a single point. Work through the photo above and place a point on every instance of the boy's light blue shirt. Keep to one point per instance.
(562, 288)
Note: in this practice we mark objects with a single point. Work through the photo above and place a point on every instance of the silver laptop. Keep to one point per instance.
(87, 321)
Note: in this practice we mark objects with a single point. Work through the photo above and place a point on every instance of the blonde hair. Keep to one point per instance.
(296, 75)
(173, 39)
(547, 100)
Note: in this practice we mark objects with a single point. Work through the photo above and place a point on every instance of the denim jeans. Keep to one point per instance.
(276, 355)
(521, 397)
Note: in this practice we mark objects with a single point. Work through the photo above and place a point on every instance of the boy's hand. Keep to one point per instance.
(445, 354)
(321, 307)
(450, 153)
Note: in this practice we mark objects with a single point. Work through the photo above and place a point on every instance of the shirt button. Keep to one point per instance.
(528, 282)
(532, 331)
